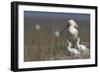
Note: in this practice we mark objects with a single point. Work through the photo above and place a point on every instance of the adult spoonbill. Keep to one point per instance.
(82, 48)
(74, 52)
(72, 32)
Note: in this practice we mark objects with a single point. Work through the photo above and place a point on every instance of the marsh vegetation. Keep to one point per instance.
(44, 45)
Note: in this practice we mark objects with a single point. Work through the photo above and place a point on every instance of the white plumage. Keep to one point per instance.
(73, 51)
(56, 33)
(72, 23)
(82, 48)
(37, 26)
(72, 33)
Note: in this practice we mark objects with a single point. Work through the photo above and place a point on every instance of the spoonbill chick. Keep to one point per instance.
(74, 52)
(82, 48)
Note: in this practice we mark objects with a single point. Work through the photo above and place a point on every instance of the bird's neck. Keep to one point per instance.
(69, 46)
(72, 26)
(78, 43)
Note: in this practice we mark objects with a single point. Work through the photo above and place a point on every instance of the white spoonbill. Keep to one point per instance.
(72, 32)
(74, 52)
(82, 48)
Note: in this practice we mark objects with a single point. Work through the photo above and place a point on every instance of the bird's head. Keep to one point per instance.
(71, 22)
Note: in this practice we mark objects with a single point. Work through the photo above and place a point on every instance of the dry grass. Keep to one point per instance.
(43, 45)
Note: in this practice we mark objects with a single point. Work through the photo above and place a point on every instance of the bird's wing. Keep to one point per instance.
(75, 51)
(83, 47)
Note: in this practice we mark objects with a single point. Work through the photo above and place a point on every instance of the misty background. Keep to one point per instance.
(52, 21)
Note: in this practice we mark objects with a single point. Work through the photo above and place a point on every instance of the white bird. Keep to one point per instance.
(82, 48)
(72, 33)
(37, 26)
(56, 33)
(73, 23)
(73, 51)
